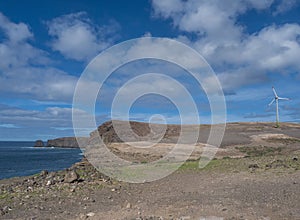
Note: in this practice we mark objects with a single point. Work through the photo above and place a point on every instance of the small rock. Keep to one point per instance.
(113, 189)
(128, 206)
(6, 209)
(2, 212)
(185, 217)
(29, 189)
(253, 166)
(49, 183)
(82, 216)
(295, 158)
(50, 176)
(44, 173)
(71, 177)
(90, 214)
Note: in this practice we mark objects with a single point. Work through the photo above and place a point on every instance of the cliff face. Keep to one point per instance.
(66, 142)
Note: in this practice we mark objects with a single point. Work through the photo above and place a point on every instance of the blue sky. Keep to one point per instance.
(44, 47)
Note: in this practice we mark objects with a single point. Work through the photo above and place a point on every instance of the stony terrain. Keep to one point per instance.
(255, 175)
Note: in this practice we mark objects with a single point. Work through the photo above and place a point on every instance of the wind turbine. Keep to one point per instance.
(276, 99)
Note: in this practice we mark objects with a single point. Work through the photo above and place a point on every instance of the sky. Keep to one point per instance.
(251, 45)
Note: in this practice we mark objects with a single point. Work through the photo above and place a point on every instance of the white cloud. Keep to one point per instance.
(52, 117)
(240, 58)
(284, 6)
(25, 124)
(77, 37)
(9, 126)
(22, 70)
(167, 8)
(48, 84)
(15, 49)
(15, 32)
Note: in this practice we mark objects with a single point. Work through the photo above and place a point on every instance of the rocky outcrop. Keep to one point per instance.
(67, 142)
(39, 143)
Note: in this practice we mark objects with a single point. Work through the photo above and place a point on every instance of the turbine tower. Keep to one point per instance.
(276, 99)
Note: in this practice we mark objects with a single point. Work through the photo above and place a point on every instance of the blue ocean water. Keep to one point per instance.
(22, 159)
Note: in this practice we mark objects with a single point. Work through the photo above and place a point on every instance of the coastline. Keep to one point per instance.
(20, 158)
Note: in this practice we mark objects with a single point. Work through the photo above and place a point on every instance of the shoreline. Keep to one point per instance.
(19, 159)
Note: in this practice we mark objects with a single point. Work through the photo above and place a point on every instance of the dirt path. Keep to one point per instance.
(192, 195)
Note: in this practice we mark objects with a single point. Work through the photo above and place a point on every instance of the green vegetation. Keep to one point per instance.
(258, 151)
(3, 196)
(225, 164)
(260, 160)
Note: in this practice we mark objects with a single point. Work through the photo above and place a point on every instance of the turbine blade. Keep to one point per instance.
(272, 102)
(283, 98)
(274, 91)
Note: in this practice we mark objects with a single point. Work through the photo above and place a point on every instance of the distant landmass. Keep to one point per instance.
(63, 142)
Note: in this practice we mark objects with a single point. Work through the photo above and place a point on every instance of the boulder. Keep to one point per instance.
(71, 177)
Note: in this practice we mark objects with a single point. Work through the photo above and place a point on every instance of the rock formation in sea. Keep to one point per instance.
(67, 142)
(39, 143)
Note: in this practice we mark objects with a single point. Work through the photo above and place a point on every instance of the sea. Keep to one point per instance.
(22, 159)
